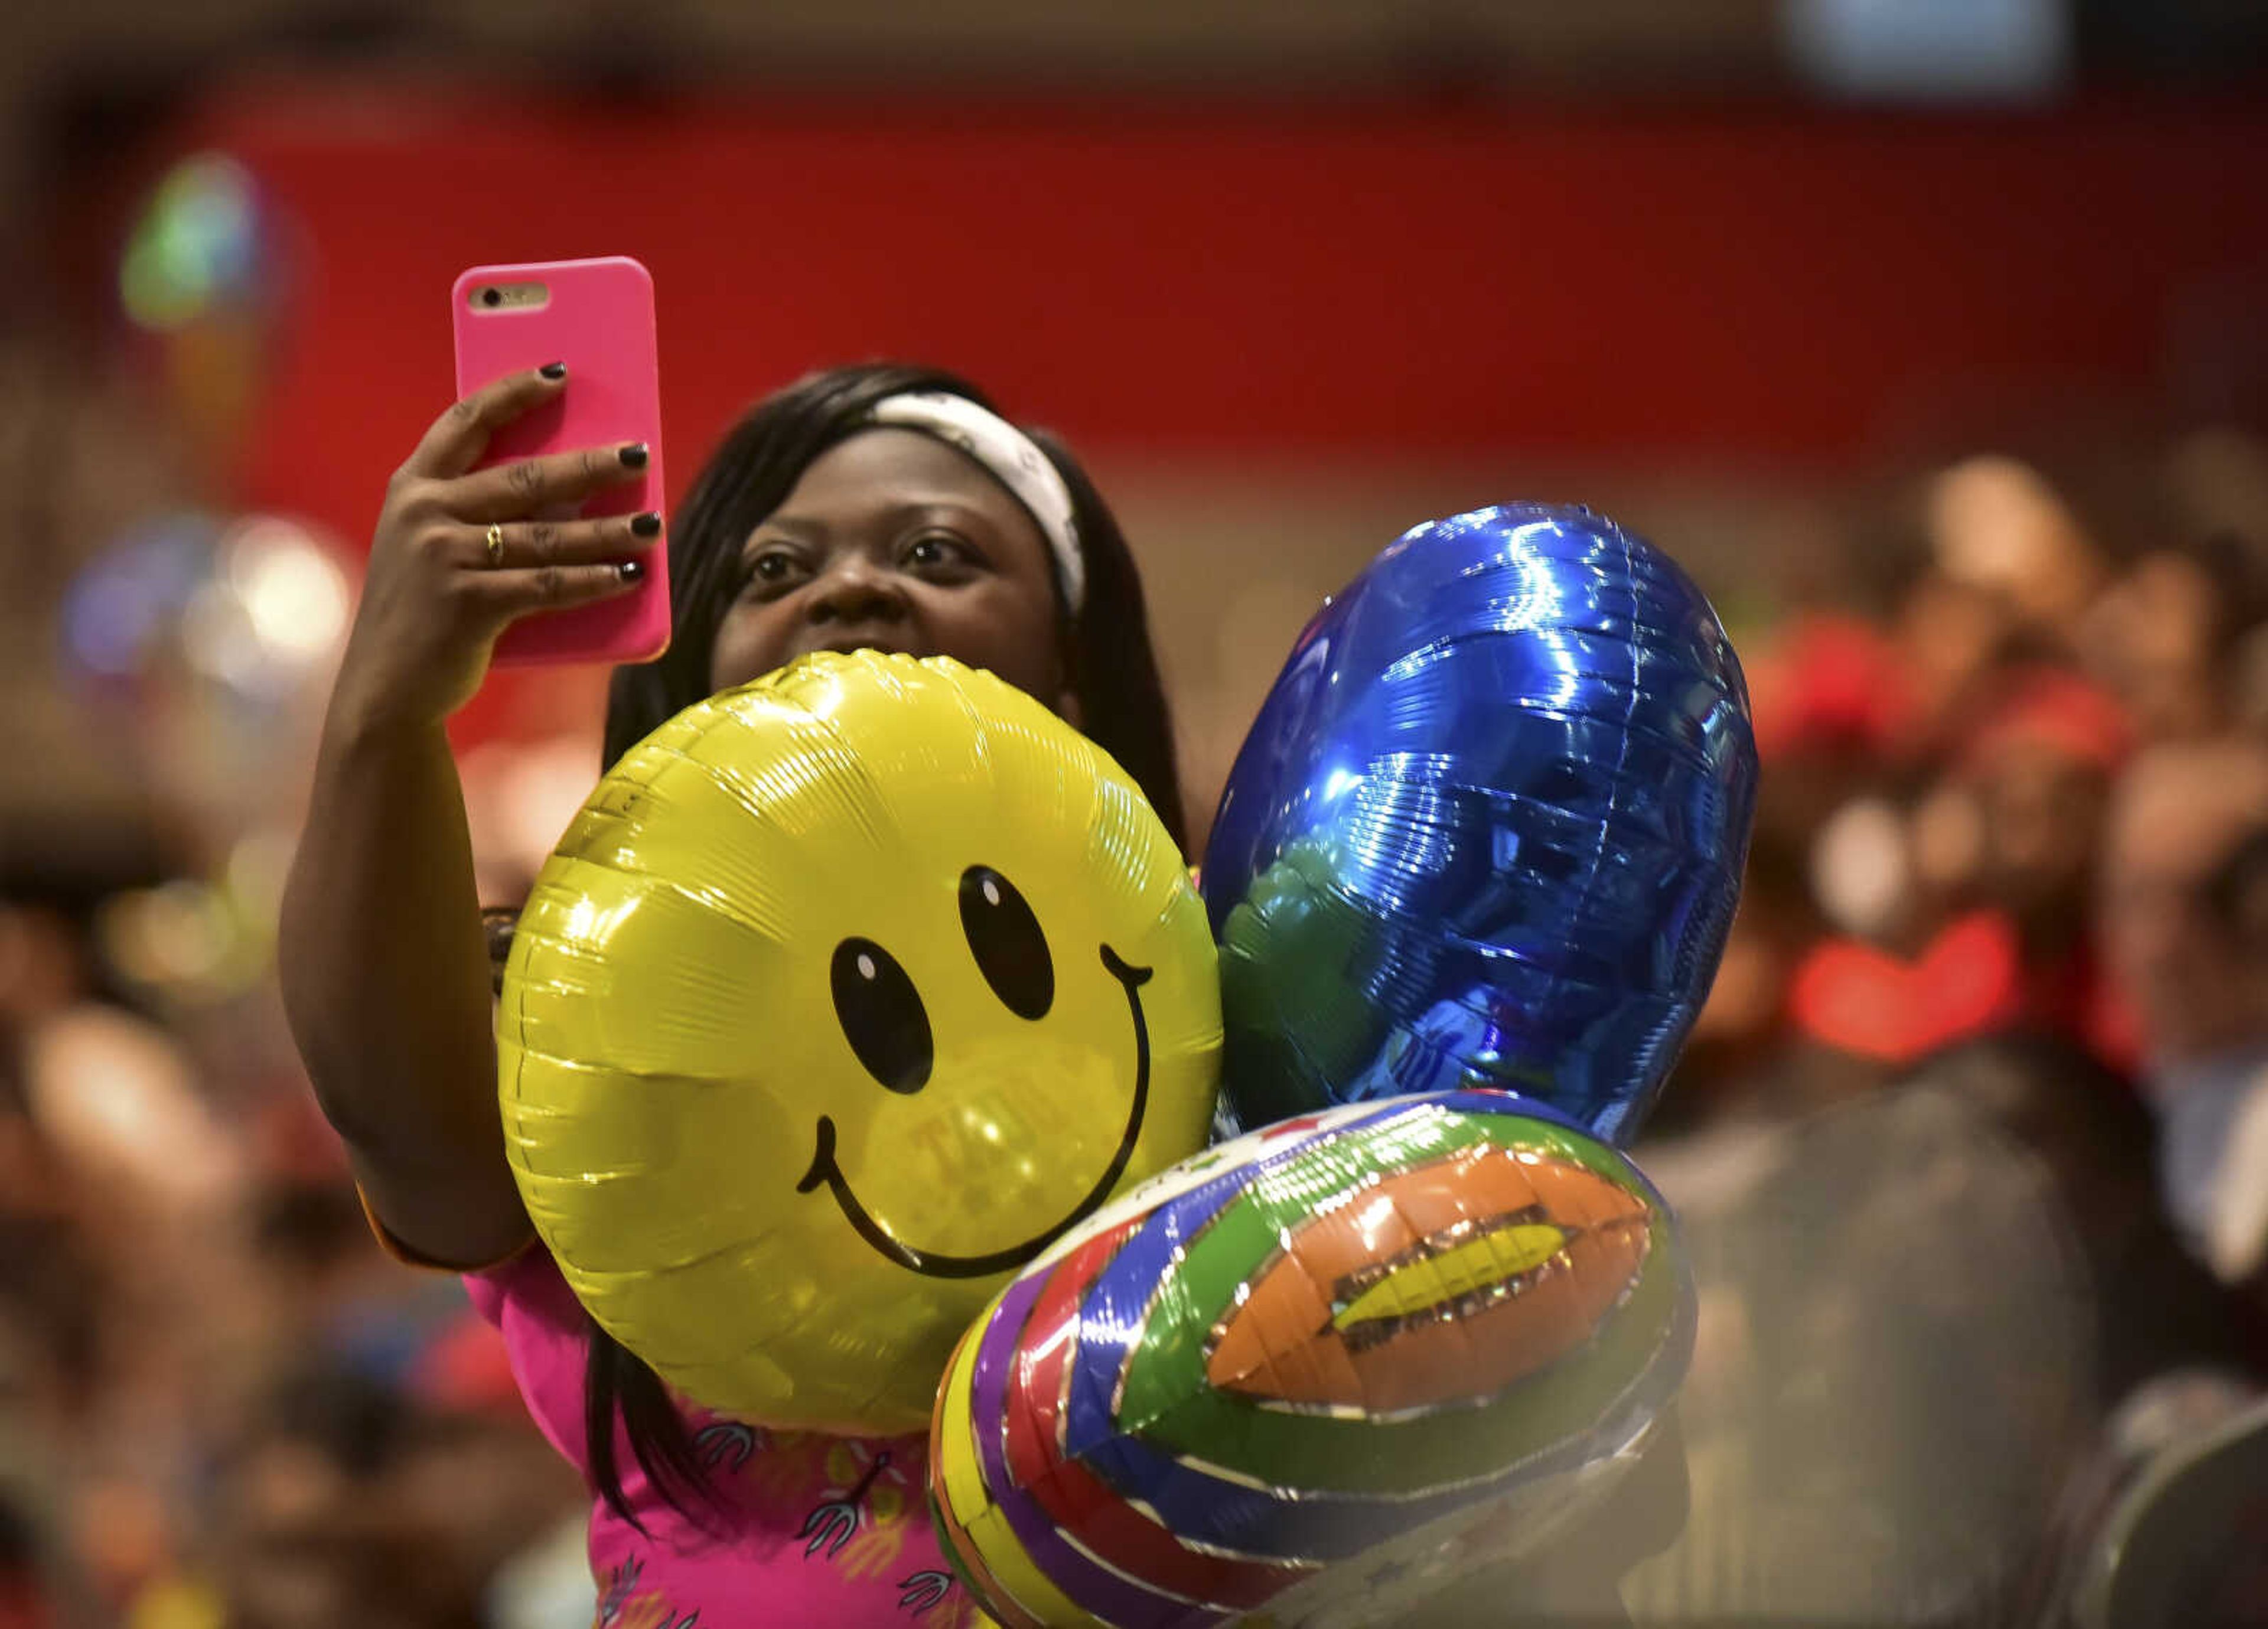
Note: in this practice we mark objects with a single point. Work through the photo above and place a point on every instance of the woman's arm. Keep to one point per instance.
(382, 960)
(386, 978)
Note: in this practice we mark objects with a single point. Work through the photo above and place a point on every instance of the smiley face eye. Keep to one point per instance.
(881, 1015)
(1005, 938)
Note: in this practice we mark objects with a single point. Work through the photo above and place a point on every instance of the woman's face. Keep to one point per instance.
(893, 540)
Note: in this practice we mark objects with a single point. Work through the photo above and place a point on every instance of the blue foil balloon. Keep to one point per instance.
(1487, 831)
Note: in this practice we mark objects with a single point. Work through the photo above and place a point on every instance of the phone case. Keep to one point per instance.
(598, 321)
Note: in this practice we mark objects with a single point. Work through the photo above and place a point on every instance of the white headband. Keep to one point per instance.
(1013, 459)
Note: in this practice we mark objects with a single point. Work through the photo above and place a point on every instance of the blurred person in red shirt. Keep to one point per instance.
(1964, 910)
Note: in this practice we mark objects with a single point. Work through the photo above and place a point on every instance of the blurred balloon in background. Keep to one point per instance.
(214, 625)
(1488, 830)
(196, 247)
(207, 645)
(202, 277)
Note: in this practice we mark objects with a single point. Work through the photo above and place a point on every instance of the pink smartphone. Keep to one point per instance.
(597, 317)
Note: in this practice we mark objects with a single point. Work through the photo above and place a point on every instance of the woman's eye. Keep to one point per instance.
(773, 568)
(936, 551)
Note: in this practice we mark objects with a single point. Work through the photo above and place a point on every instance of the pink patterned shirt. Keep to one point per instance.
(813, 1528)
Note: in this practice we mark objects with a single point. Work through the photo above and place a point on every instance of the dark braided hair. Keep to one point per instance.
(1108, 654)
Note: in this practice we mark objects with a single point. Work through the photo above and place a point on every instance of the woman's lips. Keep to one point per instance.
(881, 640)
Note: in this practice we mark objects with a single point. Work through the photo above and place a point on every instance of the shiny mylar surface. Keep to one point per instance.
(1488, 830)
(846, 993)
(1318, 1371)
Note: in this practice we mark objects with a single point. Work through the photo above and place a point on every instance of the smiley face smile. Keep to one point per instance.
(935, 1264)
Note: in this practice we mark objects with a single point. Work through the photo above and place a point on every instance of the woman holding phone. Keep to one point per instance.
(877, 507)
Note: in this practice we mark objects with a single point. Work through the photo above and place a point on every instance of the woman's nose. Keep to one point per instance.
(855, 592)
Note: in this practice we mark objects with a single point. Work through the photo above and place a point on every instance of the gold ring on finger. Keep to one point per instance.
(495, 544)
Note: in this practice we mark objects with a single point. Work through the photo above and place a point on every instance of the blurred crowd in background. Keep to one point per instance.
(1973, 1134)
(1970, 1143)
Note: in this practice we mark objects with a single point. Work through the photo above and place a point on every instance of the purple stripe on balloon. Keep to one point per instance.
(1094, 1588)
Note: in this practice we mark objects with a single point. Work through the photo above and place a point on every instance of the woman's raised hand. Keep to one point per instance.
(459, 553)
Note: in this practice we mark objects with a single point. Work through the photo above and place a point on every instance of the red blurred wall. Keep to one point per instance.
(1366, 278)
(1370, 279)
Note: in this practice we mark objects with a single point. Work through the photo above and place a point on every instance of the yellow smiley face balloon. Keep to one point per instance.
(847, 992)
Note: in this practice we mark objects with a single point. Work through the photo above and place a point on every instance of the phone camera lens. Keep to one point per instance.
(491, 297)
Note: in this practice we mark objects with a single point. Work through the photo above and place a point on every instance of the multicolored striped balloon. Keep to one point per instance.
(1318, 1371)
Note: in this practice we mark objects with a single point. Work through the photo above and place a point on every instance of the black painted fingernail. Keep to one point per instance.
(634, 455)
(647, 524)
(553, 369)
(632, 571)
